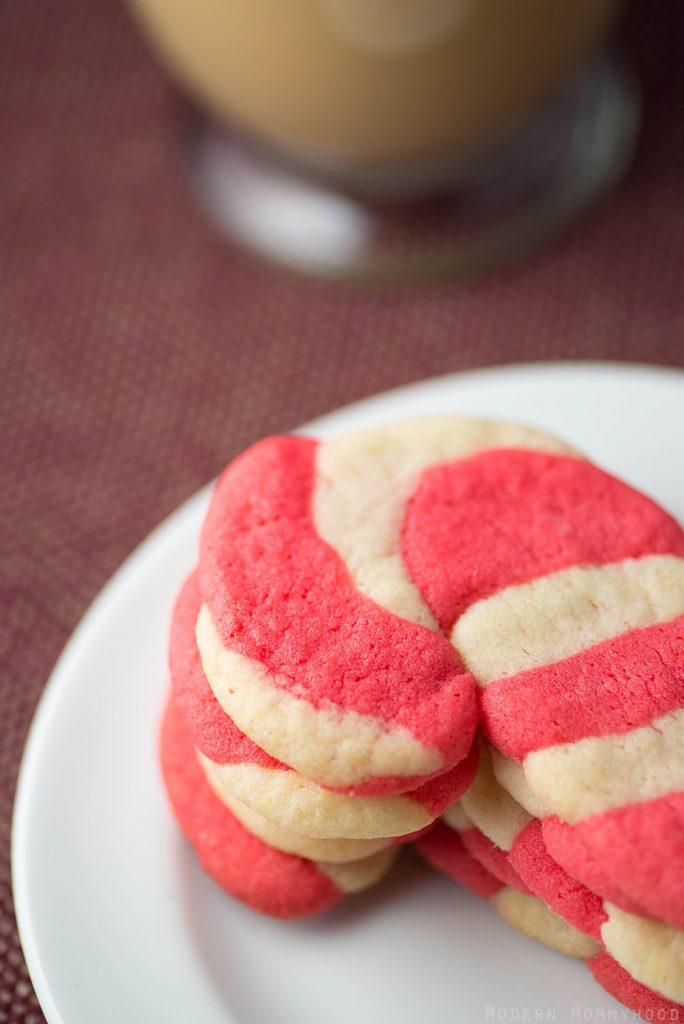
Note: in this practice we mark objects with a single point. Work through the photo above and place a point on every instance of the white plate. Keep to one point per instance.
(117, 921)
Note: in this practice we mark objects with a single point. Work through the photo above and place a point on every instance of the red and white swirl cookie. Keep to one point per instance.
(257, 786)
(563, 591)
(358, 599)
(315, 635)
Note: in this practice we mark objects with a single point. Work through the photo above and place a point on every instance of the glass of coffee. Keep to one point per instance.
(386, 138)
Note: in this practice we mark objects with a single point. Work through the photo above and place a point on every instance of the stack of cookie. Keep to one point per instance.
(279, 841)
(356, 600)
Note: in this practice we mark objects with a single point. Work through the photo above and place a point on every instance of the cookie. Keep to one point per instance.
(264, 878)
(331, 851)
(212, 731)
(239, 770)
(355, 595)
(563, 591)
(293, 803)
(313, 634)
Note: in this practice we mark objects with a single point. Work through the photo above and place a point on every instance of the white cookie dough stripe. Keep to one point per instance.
(293, 803)
(357, 876)
(652, 952)
(364, 481)
(591, 776)
(533, 918)
(333, 746)
(490, 808)
(333, 851)
(511, 776)
(566, 612)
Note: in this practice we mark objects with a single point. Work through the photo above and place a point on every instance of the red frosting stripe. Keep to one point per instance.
(506, 516)
(569, 851)
(644, 1001)
(280, 595)
(618, 685)
(212, 730)
(444, 850)
(641, 847)
(550, 882)
(269, 881)
(438, 793)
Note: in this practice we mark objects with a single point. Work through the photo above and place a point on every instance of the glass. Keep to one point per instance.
(387, 138)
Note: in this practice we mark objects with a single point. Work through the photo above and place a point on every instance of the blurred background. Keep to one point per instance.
(140, 349)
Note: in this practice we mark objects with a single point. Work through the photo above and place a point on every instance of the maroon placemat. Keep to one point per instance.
(139, 352)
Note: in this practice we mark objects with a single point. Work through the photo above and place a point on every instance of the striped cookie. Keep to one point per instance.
(240, 771)
(563, 591)
(329, 570)
(313, 635)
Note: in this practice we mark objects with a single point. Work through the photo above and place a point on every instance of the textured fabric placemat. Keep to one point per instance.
(139, 351)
